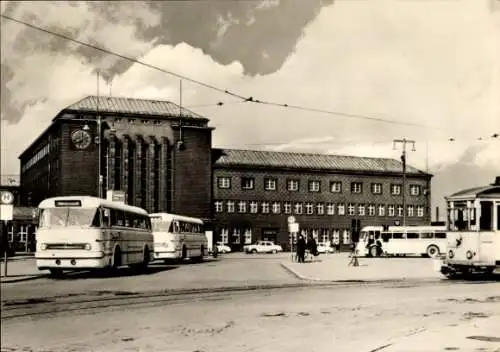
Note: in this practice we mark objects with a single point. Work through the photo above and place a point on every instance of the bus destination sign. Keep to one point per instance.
(68, 203)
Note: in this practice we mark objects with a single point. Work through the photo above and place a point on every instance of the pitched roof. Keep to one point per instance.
(238, 157)
(491, 191)
(132, 106)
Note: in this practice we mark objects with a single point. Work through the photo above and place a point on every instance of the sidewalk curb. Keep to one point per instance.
(299, 276)
(8, 279)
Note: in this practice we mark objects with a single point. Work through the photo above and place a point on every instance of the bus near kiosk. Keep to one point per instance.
(473, 231)
(81, 232)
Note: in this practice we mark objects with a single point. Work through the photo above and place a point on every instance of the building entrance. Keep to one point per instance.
(270, 234)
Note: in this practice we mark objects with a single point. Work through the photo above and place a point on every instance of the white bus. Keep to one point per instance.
(81, 232)
(473, 231)
(178, 237)
(403, 240)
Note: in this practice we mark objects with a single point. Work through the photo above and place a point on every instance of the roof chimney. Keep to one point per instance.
(497, 181)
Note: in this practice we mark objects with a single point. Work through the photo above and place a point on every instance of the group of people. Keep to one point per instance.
(303, 245)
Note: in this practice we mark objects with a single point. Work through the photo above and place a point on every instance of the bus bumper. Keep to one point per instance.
(166, 255)
(72, 263)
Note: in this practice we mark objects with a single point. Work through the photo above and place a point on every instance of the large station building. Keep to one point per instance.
(158, 154)
(330, 196)
(161, 157)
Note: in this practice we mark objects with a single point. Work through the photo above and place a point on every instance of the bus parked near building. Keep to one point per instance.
(473, 231)
(82, 232)
(402, 240)
(178, 237)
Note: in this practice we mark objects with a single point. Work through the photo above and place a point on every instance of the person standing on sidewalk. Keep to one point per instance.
(301, 249)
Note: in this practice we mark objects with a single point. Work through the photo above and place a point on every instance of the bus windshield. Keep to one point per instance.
(160, 225)
(64, 217)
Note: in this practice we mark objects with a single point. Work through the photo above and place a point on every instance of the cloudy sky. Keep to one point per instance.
(435, 64)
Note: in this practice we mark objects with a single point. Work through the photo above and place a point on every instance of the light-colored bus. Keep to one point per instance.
(403, 240)
(473, 231)
(82, 232)
(178, 237)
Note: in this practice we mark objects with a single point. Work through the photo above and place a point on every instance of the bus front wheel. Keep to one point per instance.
(432, 251)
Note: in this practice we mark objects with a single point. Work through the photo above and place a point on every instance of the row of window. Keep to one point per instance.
(36, 158)
(310, 208)
(22, 233)
(238, 236)
(293, 185)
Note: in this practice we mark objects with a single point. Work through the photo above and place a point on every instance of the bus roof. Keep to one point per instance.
(92, 202)
(417, 228)
(372, 228)
(170, 217)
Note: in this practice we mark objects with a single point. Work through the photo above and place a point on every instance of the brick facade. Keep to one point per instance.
(139, 156)
(273, 226)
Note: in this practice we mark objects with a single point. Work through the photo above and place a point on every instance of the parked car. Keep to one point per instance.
(325, 248)
(263, 247)
(222, 248)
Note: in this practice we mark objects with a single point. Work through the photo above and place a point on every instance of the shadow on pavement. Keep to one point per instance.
(121, 272)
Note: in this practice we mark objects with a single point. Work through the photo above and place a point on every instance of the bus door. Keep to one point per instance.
(487, 240)
(386, 237)
(179, 234)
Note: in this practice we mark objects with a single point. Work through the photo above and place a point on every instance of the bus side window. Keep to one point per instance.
(175, 227)
(398, 235)
(440, 235)
(486, 219)
(120, 220)
(498, 217)
(105, 217)
(426, 235)
(412, 235)
(96, 222)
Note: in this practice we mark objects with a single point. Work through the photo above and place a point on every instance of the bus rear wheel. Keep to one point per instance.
(199, 259)
(432, 251)
(143, 266)
(374, 251)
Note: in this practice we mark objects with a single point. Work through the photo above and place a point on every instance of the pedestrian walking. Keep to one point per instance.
(301, 249)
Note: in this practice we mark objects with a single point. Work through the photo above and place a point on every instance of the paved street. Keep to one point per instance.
(388, 318)
(228, 270)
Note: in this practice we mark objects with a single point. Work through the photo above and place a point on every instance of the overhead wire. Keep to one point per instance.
(250, 99)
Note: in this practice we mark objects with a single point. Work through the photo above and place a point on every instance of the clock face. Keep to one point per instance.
(81, 139)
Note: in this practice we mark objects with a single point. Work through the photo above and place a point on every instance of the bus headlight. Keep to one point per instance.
(43, 246)
(451, 254)
(469, 255)
(88, 246)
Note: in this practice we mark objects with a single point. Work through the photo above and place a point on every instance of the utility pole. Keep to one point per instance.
(98, 140)
(403, 143)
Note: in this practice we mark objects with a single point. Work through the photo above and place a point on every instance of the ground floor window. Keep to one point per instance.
(346, 237)
(236, 236)
(224, 236)
(336, 237)
(248, 236)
